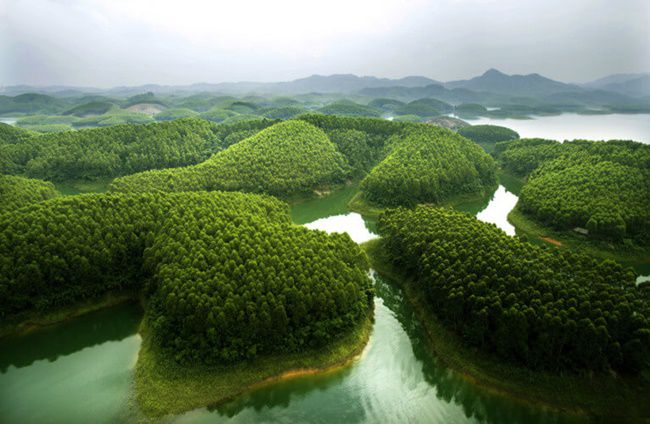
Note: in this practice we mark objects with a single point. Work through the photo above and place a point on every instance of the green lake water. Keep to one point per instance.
(77, 372)
(81, 372)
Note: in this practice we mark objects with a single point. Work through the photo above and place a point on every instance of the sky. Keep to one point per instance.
(106, 43)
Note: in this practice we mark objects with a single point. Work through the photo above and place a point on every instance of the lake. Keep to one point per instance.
(77, 372)
(570, 126)
(8, 120)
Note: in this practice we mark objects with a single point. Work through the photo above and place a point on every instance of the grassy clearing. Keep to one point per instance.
(605, 397)
(33, 321)
(163, 387)
(626, 253)
(70, 188)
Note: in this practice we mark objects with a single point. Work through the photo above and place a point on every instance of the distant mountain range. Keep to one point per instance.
(338, 83)
(630, 84)
(497, 82)
(492, 85)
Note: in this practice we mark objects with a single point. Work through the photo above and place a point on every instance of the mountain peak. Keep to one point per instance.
(493, 72)
(495, 81)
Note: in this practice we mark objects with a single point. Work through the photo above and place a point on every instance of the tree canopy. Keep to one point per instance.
(349, 108)
(601, 186)
(230, 276)
(117, 150)
(488, 135)
(16, 192)
(428, 164)
(287, 158)
(426, 107)
(541, 307)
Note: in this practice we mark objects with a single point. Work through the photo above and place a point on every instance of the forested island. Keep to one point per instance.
(544, 309)
(325, 213)
(428, 165)
(285, 159)
(225, 276)
(595, 190)
(196, 227)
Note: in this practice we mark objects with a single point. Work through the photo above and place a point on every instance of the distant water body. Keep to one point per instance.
(571, 126)
(8, 120)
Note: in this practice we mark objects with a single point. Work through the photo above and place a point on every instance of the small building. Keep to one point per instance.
(580, 230)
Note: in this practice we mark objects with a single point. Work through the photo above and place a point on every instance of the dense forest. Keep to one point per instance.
(543, 308)
(428, 164)
(487, 136)
(424, 108)
(288, 158)
(601, 186)
(521, 157)
(117, 150)
(349, 108)
(16, 192)
(230, 276)
(234, 287)
(11, 135)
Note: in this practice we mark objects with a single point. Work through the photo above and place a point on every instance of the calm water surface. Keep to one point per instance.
(78, 372)
(570, 126)
(396, 380)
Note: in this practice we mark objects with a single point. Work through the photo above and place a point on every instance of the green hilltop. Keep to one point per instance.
(287, 158)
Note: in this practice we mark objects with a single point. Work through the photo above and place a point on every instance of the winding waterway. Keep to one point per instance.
(81, 371)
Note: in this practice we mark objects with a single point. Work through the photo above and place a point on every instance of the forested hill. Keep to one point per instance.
(288, 158)
(428, 164)
(117, 150)
(10, 134)
(231, 276)
(487, 136)
(601, 186)
(543, 308)
(16, 192)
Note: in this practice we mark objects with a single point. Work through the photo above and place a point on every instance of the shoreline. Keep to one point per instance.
(538, 233)
(627, 255)
(30, 322)
(370, 210)
(618, 399)
(162, 387)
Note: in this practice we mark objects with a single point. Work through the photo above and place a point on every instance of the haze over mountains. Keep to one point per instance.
(492, 82)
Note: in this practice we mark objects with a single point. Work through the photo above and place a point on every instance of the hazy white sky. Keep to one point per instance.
(130, 42)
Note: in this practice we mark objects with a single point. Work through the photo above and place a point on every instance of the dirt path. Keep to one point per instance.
(552, 241)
